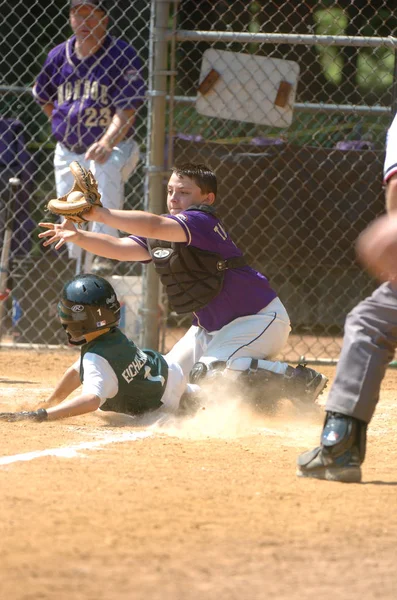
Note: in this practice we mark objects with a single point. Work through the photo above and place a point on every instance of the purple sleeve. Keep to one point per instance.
(141, 241)
(129, 87)
(206, 232)
(44, 89)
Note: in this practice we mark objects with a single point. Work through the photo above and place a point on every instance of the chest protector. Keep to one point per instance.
(192, 277)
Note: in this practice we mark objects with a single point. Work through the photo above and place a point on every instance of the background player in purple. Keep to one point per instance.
(239, 323)
(90, 87)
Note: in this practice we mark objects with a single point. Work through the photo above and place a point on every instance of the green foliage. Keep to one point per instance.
(331, 21)
(374, 65)
(375, 68)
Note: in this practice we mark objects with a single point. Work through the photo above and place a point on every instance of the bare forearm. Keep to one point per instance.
(47, 110)
(137, 222)
(121, 123)
(71, 408)
(391, 194)
(67, 384)
(99, 243)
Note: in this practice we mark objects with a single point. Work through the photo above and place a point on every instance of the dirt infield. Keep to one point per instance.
(114, 508)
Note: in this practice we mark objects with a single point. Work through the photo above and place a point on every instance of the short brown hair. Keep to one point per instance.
(202, 176)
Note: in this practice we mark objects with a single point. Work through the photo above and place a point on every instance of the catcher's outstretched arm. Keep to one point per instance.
(139, 222)
(83, 203)
(122, 249)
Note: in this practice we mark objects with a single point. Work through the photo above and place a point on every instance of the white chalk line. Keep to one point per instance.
(74, 451)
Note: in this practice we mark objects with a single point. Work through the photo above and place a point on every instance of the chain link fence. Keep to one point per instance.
(288, 102)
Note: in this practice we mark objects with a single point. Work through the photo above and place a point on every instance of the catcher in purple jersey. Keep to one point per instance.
(239, 323)
(90, 88)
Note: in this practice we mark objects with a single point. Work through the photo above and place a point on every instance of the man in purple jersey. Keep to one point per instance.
(239, 323)
(90, 88)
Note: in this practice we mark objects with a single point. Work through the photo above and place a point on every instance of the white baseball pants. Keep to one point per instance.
(111, 177)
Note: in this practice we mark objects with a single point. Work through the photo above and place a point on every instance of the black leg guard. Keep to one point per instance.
(261, 387)
(341, 433)
(342, 451)
(200, 370)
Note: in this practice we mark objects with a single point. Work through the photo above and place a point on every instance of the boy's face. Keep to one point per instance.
(88, 23)
(182, 192)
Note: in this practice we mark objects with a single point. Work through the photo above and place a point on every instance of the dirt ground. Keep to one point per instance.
(115, 508)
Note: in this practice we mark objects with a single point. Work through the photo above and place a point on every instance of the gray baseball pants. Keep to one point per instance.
(369, 342)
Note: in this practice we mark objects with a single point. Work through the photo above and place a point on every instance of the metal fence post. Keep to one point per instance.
(155, 159)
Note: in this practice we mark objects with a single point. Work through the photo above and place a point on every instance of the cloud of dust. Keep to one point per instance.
(227, 413)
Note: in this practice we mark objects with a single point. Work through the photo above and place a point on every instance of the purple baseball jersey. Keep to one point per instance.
(86, 93)
(245, 291)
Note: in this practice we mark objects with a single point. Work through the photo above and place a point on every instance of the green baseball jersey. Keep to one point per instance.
(141, 374)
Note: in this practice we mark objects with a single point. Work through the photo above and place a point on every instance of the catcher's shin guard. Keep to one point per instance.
(261, 387)
(304, 384)
(341, 453)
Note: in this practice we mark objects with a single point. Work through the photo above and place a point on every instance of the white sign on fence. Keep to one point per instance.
(245, 87)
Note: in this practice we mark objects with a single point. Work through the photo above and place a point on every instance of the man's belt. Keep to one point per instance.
(75, 149)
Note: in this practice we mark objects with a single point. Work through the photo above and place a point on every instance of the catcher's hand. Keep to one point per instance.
(34, 415)
(83, 195)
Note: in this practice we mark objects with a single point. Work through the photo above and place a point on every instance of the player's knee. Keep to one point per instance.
(342, 432)
(241, 364)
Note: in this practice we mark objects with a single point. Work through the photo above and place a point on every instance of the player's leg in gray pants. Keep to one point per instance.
(370, 339)
(368, 346)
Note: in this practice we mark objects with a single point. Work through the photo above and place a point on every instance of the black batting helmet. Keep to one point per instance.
(88, 304)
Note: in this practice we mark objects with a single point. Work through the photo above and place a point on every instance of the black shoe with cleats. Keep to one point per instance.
(320, 464)
(305, 384)
(341, 453)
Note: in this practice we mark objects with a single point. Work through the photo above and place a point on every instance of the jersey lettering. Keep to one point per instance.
(68, 91)
(220, 231)
(134, 367)
(76, 90)
(158, 378)
(83, 89)
(94, 117)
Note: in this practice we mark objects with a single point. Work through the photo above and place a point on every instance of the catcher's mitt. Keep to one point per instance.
(83, 195)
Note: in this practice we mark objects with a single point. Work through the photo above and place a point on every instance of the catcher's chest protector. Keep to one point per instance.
(191, 277)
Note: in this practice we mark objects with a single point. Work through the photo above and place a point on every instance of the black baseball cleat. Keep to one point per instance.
(305, 384)
(341, 453)
(320, 464)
